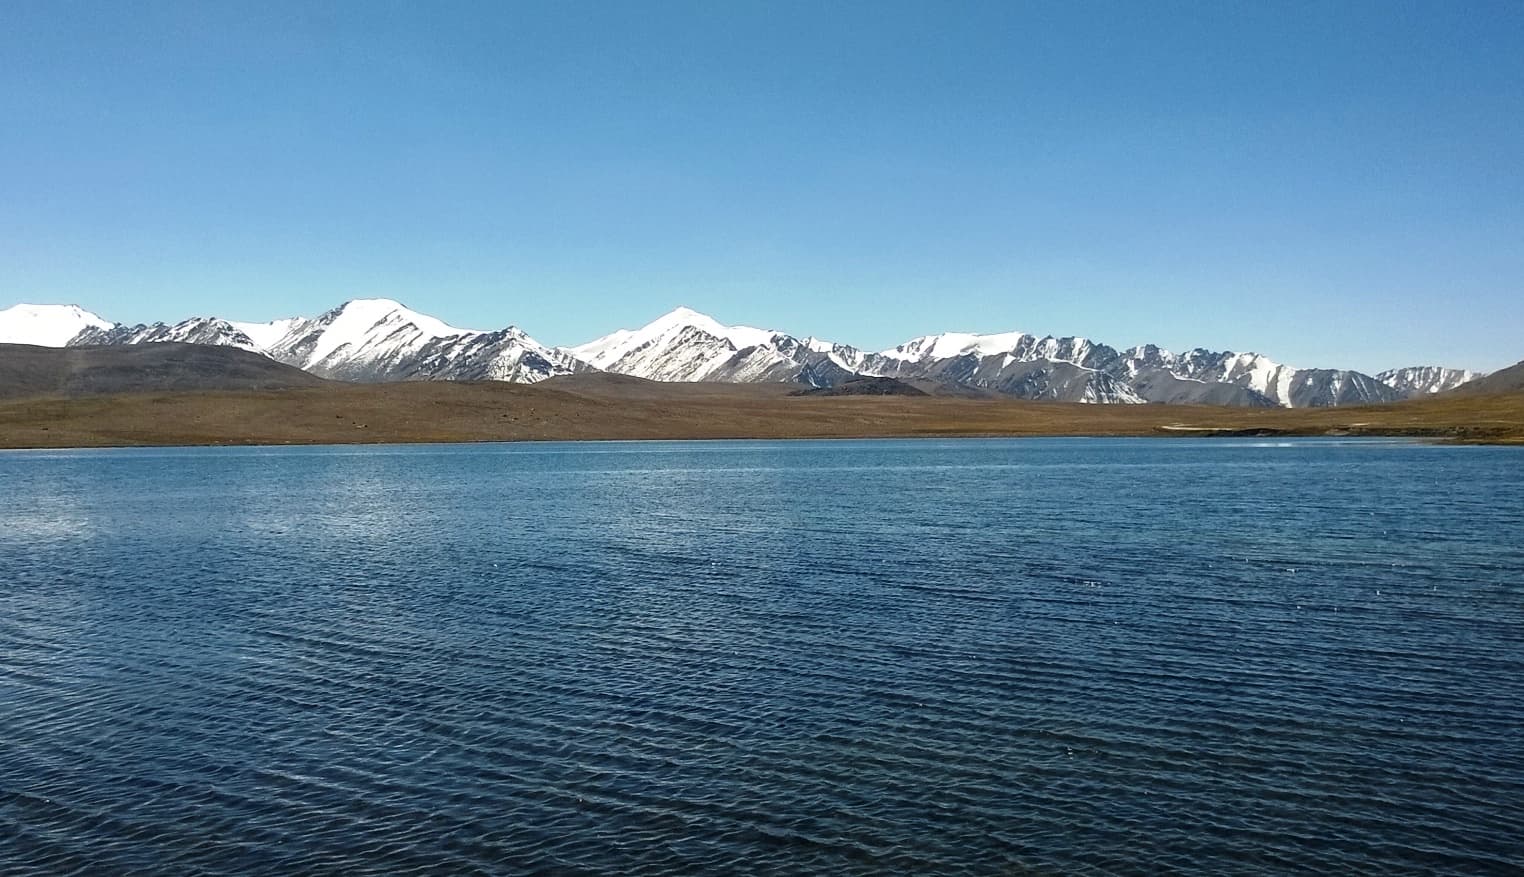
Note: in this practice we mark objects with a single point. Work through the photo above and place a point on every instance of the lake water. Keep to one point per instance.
(972, 656)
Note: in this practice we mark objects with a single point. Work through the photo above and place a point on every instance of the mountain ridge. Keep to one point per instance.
(366, 340)
(1504, 380)
(371, 340)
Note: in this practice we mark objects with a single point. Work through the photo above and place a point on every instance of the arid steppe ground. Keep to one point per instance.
(612, 407)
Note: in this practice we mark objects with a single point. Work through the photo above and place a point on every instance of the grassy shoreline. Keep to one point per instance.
(427, 412)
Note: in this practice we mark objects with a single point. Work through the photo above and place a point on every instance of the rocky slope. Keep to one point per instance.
(688, 346)
(1425, 380)
(1504, 380)
(366, 340)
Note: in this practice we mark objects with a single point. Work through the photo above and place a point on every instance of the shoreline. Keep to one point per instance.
(1403, 439)
(456, 412)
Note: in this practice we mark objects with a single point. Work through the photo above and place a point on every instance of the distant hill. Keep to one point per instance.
(26, 370)
(1508, 380)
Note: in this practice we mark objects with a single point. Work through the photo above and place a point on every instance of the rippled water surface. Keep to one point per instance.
(912, 656)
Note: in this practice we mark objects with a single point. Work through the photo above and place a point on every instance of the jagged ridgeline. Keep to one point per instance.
(366, 340)
(382, 340)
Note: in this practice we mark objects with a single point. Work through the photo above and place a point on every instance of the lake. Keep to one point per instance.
(919, 656)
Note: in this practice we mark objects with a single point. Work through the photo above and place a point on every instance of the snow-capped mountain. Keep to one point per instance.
(685, 345)
(1259, 376)
(46, 325)
(1424, 380)
(1146, 373)
(1018, 345)
(365, 340)
(197, 330)
(382, 340)
(1015, 363)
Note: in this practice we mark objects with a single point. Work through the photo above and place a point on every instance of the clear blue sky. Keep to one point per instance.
(1329, 183)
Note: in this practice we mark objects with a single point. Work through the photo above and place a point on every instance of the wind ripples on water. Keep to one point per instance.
(1081, 656)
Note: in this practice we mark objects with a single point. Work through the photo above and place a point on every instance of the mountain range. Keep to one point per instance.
(371, 340)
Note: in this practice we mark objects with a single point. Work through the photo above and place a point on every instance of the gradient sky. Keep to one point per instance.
(1330, 183)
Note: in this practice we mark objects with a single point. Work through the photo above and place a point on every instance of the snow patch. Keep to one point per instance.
(952, 344)
(266, 335)
(46, 325)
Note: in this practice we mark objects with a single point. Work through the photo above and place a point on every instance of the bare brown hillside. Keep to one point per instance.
(609, 407)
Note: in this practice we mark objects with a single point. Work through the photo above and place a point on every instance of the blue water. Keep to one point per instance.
(1077, 656)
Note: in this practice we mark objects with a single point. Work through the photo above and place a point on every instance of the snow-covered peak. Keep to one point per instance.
(1259, 373)
(380, 339)
(666, 331)
(819, 345)
(741, 336)
(46, 325)
(952, 344)
(371, 311)
(366, 322)
(682, 315)
(370, 339)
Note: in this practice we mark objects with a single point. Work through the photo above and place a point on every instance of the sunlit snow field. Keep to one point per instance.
(913, 656)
